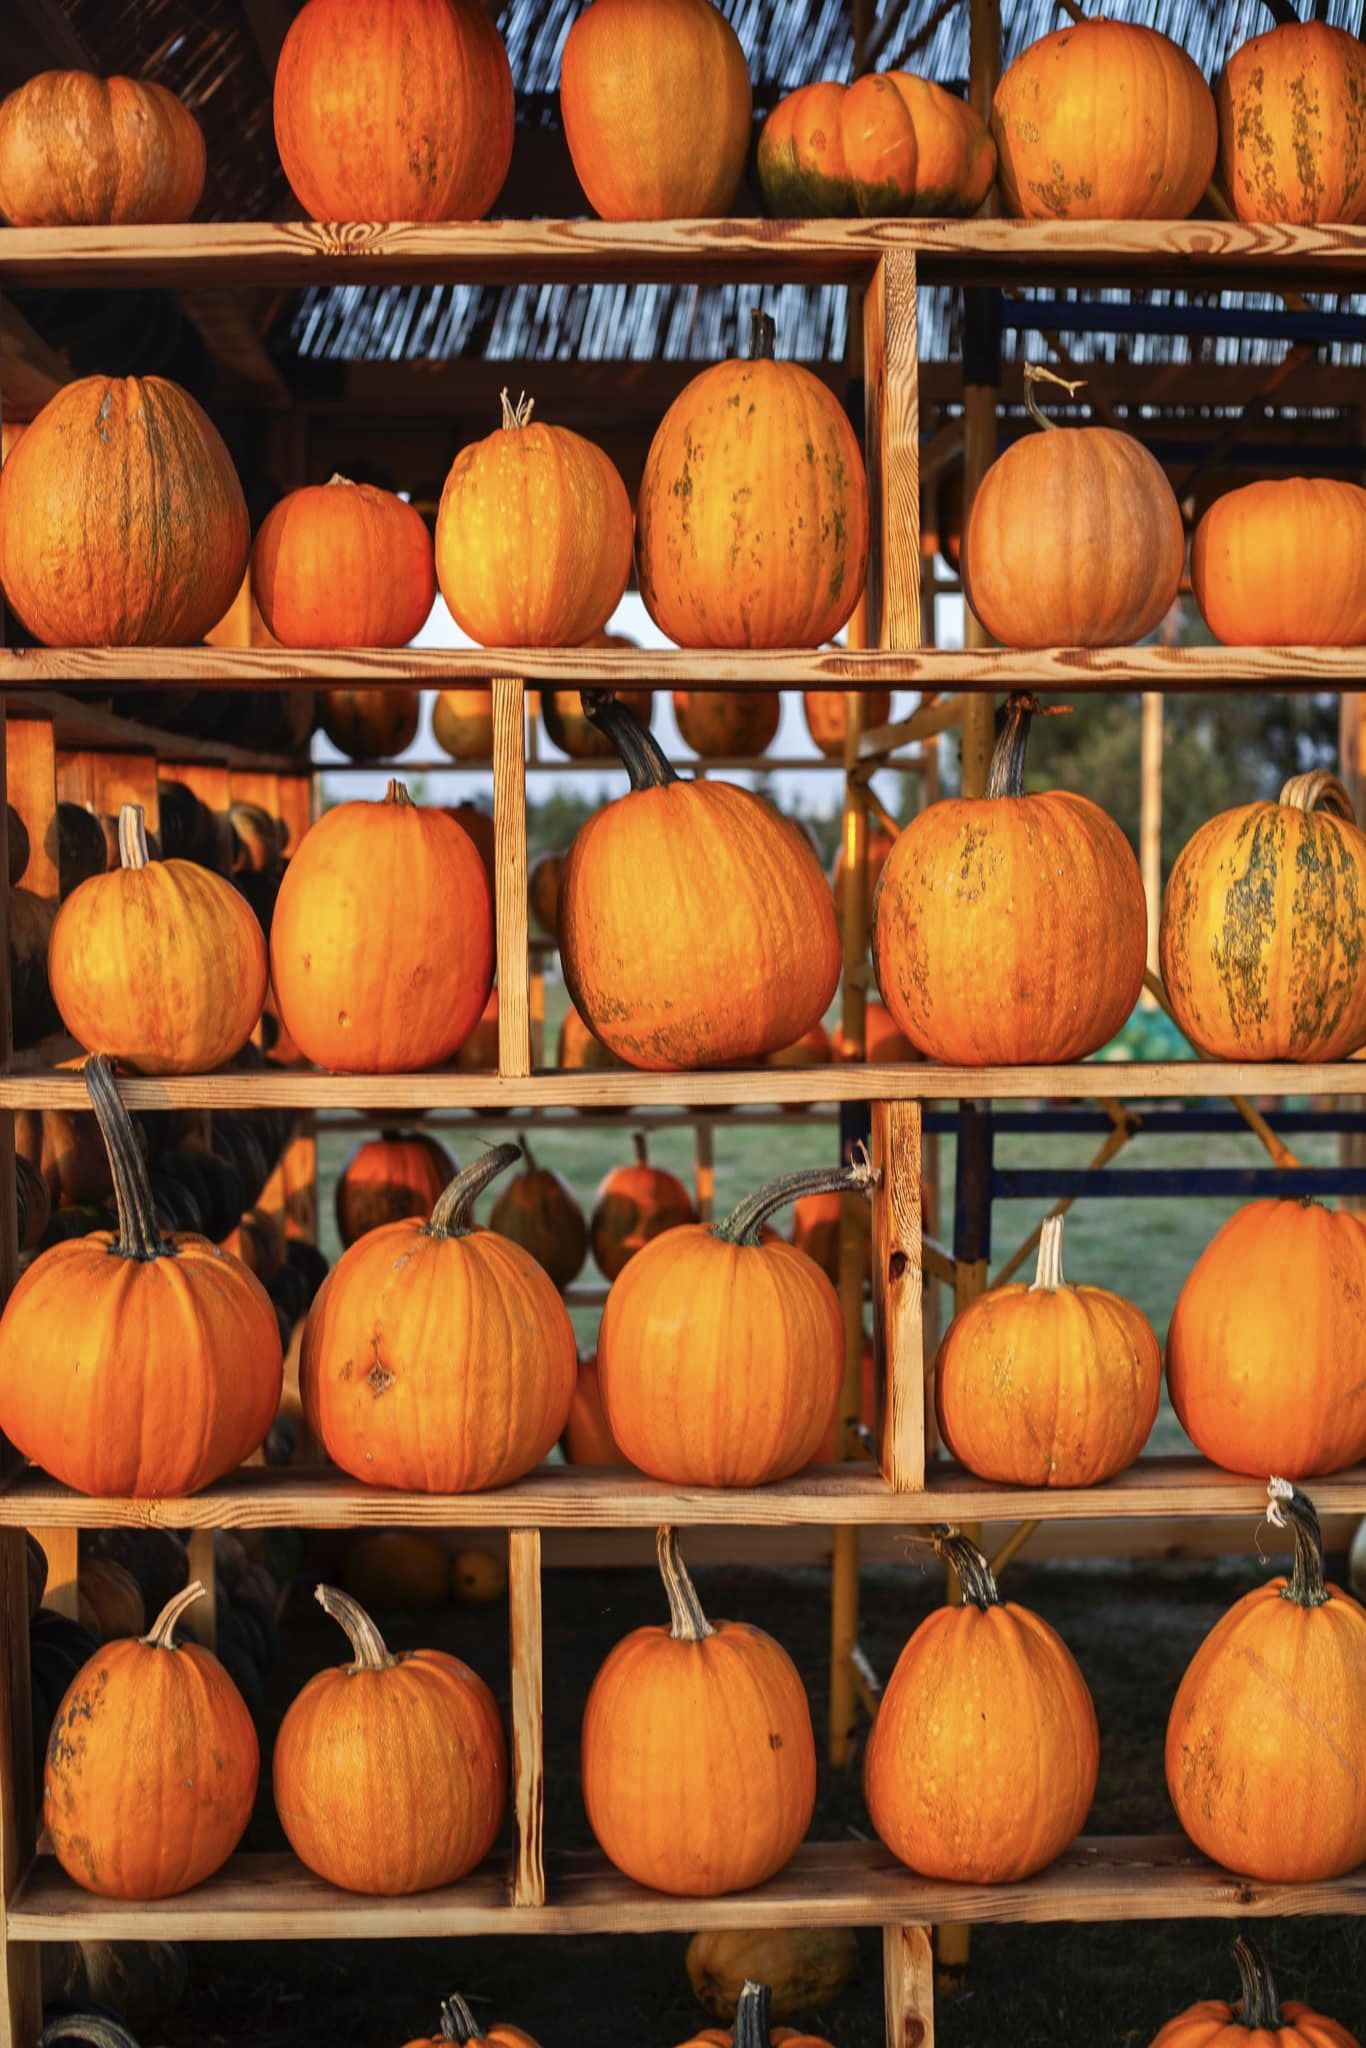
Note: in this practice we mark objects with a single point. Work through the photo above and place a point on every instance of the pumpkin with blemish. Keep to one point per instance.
(539, 1211)
(1259, 2020)
(462, 724)
(634, 1205)
(727, 723)
(1292, 126)
(81, 151)
(345, 565)
(387, 1178)
(889, 144)
(825, 711)
(458, 2025)
(1282, 563)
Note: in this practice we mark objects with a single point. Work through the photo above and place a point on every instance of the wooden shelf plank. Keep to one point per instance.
(93, 729)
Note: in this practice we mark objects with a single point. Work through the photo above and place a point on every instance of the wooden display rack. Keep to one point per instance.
(272, 1897)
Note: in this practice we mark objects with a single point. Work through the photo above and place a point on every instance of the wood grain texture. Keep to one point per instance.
(509, 827)
(528, 1744)
(77, 724)
(21, 1999)
(908, 1986)
(31, 789)
(892, 400)
(898, 1285)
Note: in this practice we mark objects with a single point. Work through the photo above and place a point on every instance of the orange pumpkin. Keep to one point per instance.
(656, 103)
(391, 1771)
(479, 1053)
(80, 151)
(392, 110)
(1265, 1341)
(890, 143)
(533, 536)
(1044, 887)
(543, 892)
(1292, 126)
(718, 724)
(695, 929)
(381, 948)
(343, 565)
(579, 1049)
(1266, 1744)
(462, 724)
(698, 1763)
(833, 1446)
(151, 1766)
(370, 725)
(634, 1205)
(1104, 120)
(110, 1342)
(1279, 564)
(812, 1049)
(122, 523)
(826, 716)
(472, 1360)
(1048, 1385)
(477, 822)
(387, 1178)
(109, 1600)
(976, 1688)
(539, 1212)
(568, 726)
(588, 1438)
(884, 1043)
(1259, 2020)
(458, 2025)
(816, 1223)
(752, 518)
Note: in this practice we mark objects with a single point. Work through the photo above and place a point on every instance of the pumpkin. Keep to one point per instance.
(478, 1577)
(825, 712)
(1048, 1385)
(543, 892)
(472, 1352)
(370, 725)
(122, 523)
(160, 964)
(477, 822)
(805, 1968)
(721, 1359)
(462, 724)
(387, 1178)
(879, 841)
(109, 1342)
(568, 726)
(32, 1204)
(579, 1050)
(656, 103)
(634, 1205)
(1104, 120)
(816, 1231)
(858, 1439)
(538, 1211)
(381, 950)
(258, 840)
(533, 535)
(695, 930)
(109, 1600)
(1265, 1339)
(1292, 126)
(344, 565)
(479, 1053)
(1045, 887)
(588, 1439)
(728, 723)
(399, 1569)
(80, 151)
(1266, 1744)
(1263, 925)
(698, 1763)
(890, 143)
(82, 850)
(394, 110)
(752, 518)
(151, 1765)
(976, 1688)
(753, 2011)
(458, 2024)
(1074, 538)
(1279, 564)
(138, 1980)
(1259, 2020)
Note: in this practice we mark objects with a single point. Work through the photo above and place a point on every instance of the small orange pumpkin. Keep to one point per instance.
(634, 1205)
(80, 151)
(538, 1211)
(816, 1221)
(1259, 2020)
(588, 1438)
(370, 725)
(462, 724)
(568, 726)
(888, 144)
(387, 1178)
(826, 716)
(718, 724)
(543, 892)
(752, 2030)
(1280, 564)
(343, 565)
(458, 2025)
(1292, 126)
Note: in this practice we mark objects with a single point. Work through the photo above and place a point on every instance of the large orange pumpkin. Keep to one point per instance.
(539, 1211)
(391, 110)
(753, 2010)
(1280, 564)
(391, 1771)
(977, 1688)
(387, 1178)
(1266, 1744)
(1048, 1385)
(1266, 1339)
(1292, 126)
(1104, 120)
(1259, 2020)
(568, 726)
(458, 2025)
(890, 143)
(634, 1205)
(381, 948)
(80, 151)
(343, 565)
(826, 716)
(698, 1762)
(151, 1766)
(471, 1360)
(656, 103)
(122, 523)
(134, 1364)
(1044, 887)
(533, 536)
(752, 519)
(1263, 928)
(695, 928)
(588, 1438)
(370, 725)
(721, 723)
(462, 724)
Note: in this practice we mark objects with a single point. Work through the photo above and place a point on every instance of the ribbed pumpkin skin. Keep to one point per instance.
(805, 1968)
(1074, 540)
(800, 160)
(1215, 2024)
(752, 519)
(122, 522)
(1282, 563)
(1292, 126)
(1266, 1341)
(890, 143)
(634, 1205)
(394, 110)
(81, 151)
(390, 1178)
(1104, 121)
(728, 722)
(656, 102)
(370, 725)
(343, 565)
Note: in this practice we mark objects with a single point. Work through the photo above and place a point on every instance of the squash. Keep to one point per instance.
(122, 522)
(857, 1439)
(390, 1772)
(543, 893)
(151, 1765)
(1265, 1339)
(977, 1688)
(1266, 1744)
(382, 897)
(721, 724)
(1104, 120)
(394, 110)
(888, 144)
(387, 1178)
(538, 1211)
(66, 1147)
(370, 725)
(698, 1762)
(588, 1439)
(1045, 887)
(398, 1570)
(478, 1577)
(816, 1231)
(568, 726)
(344, 565)
(533, 535)
(1048, 1385)
(1292, 126)
(1259, 2020)
(462, 724)
(579, 1050)
(805, 1968)
(476, 821)
(753, 2011)
(635, 1204)
(752, 518)
(695, 930)
(656, 103)
(472, 1352)
(108, 1343)
(32, 1204)
(109, 1600)
(825, 713)
(812, 1049)
(458, 2025)
(81, 151)
(1279, 564)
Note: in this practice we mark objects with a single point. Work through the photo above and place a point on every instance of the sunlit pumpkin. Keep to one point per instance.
(1292, 126)
(721, 724)
(1280, 564)
(834, 1446)
(753, 2012)
(462, 724)
(539, 1211)
(888, 144)
(80, 151)
(1259, 2020)
(343, 565)
(816, 1223)
(825, 712)
(459, 2025)
(568, 726)
(633, 1205)
(588, 1438)
(401, 1173)
(805, 1968)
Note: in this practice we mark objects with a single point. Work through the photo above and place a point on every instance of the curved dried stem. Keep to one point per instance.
(687, 1622)
(1319, 791)
(1035, 373)
(368, 1646)
(158, 1636)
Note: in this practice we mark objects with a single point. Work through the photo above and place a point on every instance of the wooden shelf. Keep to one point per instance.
(95, 730)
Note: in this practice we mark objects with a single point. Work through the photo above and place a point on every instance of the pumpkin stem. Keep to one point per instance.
(158, 1636)
(752, 2016)
(451, 1216)
(371, 1652)
(86, 2026)
(457, 2021)
(641, 754)
(397, 793)
(132, 837)
(975, 1575)
(763, 336)
(518, 415)
(1035, 373)
(138, 1236)
(1288, 1508)
(1048, 1276)
(642, 1150)
(337, 478)
(1006, 776)
(742, 1224)
(1319, 791)
(530, 1157)
(687, 1622)
(1260, 2006)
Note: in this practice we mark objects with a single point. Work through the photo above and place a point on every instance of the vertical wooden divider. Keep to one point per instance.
(704, 1169)
(908, 1986)
(898, 1286)
(891, 371)
(510, 868)
(31, 790)
(528, 1745)
(61, 1548)
(127, 778)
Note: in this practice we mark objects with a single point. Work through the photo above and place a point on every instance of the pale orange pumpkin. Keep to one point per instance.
(588, 1438)
(1292, 126)
(718, 723)
(826, 716)
(343, 565)
(81, 151)
(1280, 563)
(462, 724)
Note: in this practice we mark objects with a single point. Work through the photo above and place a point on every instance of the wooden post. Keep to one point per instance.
(892, 436)
(898, 1283)
(1150, 825)
(908, 1986)
(509, 831)
(528, 1750)
(61, 1548)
